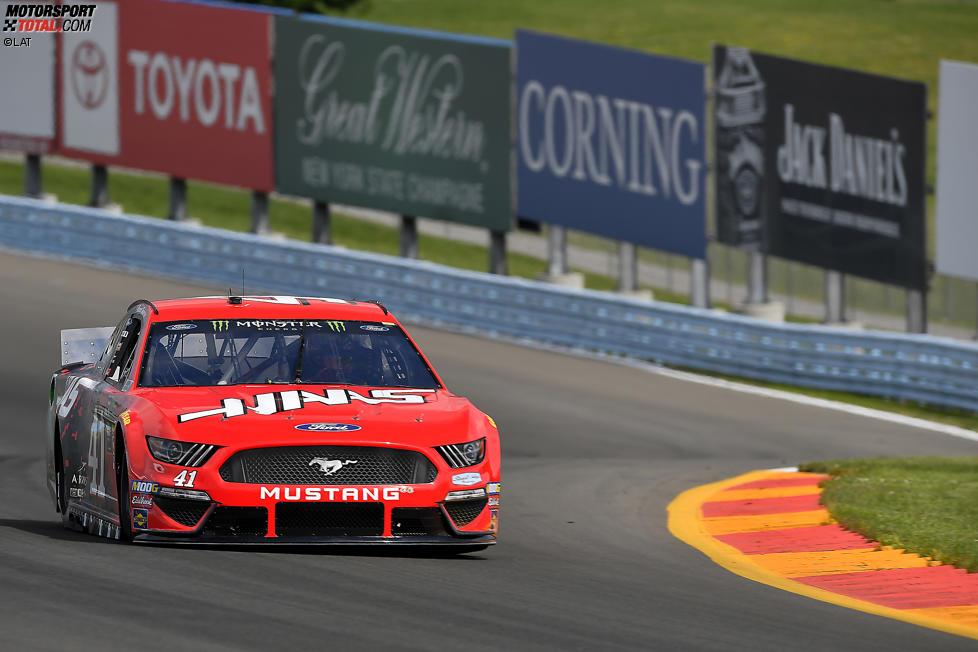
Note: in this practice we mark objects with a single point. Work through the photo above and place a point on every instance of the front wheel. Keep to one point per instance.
(125, 508)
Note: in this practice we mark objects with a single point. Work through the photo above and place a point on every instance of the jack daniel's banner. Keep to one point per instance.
(821, 165)
(411, 122)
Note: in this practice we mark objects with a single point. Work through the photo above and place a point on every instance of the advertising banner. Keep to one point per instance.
(416, 123)
(957, 163)
(27, 77)
(183, 89)
(611, 141)
(821, 165)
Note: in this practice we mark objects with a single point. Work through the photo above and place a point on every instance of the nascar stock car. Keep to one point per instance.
(266, 420)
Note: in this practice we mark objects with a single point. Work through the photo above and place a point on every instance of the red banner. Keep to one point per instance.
(192, 92)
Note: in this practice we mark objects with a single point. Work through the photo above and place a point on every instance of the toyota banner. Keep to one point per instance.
(611, 141)
(194, 106)
(412, 122)
(821, 165)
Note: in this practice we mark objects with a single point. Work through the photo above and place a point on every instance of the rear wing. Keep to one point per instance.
(84, 344)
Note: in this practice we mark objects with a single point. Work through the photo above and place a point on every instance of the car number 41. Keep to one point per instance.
(185, 479)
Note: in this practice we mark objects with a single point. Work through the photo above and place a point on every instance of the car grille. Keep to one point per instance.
(184, 512)
(350, 465)
(417, 521)
(237, 522)
(331, 519)
(464, 512)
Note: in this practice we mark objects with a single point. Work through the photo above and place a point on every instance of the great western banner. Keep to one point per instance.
(611, 141)
(821, 165)
(196, 106)
(412, 122)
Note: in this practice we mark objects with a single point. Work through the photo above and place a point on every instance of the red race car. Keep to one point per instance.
(264, 420)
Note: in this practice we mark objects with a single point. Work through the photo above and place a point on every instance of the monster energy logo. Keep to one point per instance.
(337, 326)
(220, 324)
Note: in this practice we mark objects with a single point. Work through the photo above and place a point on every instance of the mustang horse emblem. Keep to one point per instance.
(329, 467)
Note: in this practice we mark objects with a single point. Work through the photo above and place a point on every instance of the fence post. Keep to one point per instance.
(699, 276)
(259, 213)
(558, 269)
(409, 236)
(497, 253)
(627, 267)
(758, 304)
(916, 311)
(322, 228)
(835, 297)
(100, 187)
(178, 199)
(32, 176)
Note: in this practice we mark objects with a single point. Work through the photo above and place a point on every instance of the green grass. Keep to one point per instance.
(926, 505)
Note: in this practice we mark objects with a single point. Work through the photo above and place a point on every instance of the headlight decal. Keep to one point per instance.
(463, 454)
(180, 453)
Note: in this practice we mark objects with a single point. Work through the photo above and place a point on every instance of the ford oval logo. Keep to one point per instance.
(327, 427)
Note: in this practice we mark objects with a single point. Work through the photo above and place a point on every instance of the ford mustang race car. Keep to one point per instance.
(266, 420)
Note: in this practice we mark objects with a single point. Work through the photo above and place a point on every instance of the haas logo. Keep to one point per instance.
(329, 467)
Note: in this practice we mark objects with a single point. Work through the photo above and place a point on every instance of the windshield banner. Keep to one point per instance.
(611, 141)
(392, 119)
(821, 165)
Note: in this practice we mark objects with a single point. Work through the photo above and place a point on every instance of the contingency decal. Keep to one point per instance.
(494, 500)
(493, 520)
(327, 427)
(374, 328)
(494, 488)
(142, 499)
(144, 487)
(274, 402)
(140, 518)
(181, 327)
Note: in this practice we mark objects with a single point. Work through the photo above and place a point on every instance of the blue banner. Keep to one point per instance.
(611, 141)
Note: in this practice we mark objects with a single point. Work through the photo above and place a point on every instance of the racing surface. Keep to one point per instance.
(592, 455)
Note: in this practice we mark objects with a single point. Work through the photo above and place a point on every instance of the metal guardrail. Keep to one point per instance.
(912, 367)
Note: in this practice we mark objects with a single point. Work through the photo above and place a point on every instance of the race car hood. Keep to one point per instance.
(265, 415)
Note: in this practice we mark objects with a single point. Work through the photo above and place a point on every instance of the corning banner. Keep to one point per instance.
(388, 118)
(183, 89)
(957, 171)
(27, 77)
(611, 141)
(821, 165)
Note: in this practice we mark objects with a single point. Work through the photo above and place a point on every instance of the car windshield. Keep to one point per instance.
(238, 352)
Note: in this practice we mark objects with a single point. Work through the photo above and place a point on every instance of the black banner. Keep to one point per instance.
(821, 165)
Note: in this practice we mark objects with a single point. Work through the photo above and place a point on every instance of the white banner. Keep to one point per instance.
(957, 171)
(27, 77)
(90, 84)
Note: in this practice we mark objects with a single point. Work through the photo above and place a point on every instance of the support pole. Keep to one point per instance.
(556, 250)
(322, 227)
(100, 187)
(699, 290)
(835, 297)
(627, 267)
(756, 277)
(497, 253)
(32, 176)
(916, 311)
(409, 236)
(259, 213)
(178, 199)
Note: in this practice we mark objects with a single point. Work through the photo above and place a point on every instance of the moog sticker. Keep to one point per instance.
(143, 487)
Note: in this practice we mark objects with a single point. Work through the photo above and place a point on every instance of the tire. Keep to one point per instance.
(61, 478)
(122, 482)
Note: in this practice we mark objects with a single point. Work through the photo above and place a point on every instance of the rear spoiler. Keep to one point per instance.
(84, 345)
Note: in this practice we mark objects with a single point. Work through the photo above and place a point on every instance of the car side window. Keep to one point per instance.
(120, 364)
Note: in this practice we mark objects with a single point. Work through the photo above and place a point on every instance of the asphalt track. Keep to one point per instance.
(593, 453)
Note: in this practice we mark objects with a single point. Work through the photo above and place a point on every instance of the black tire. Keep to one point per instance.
(122, 482)
(61, 478)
